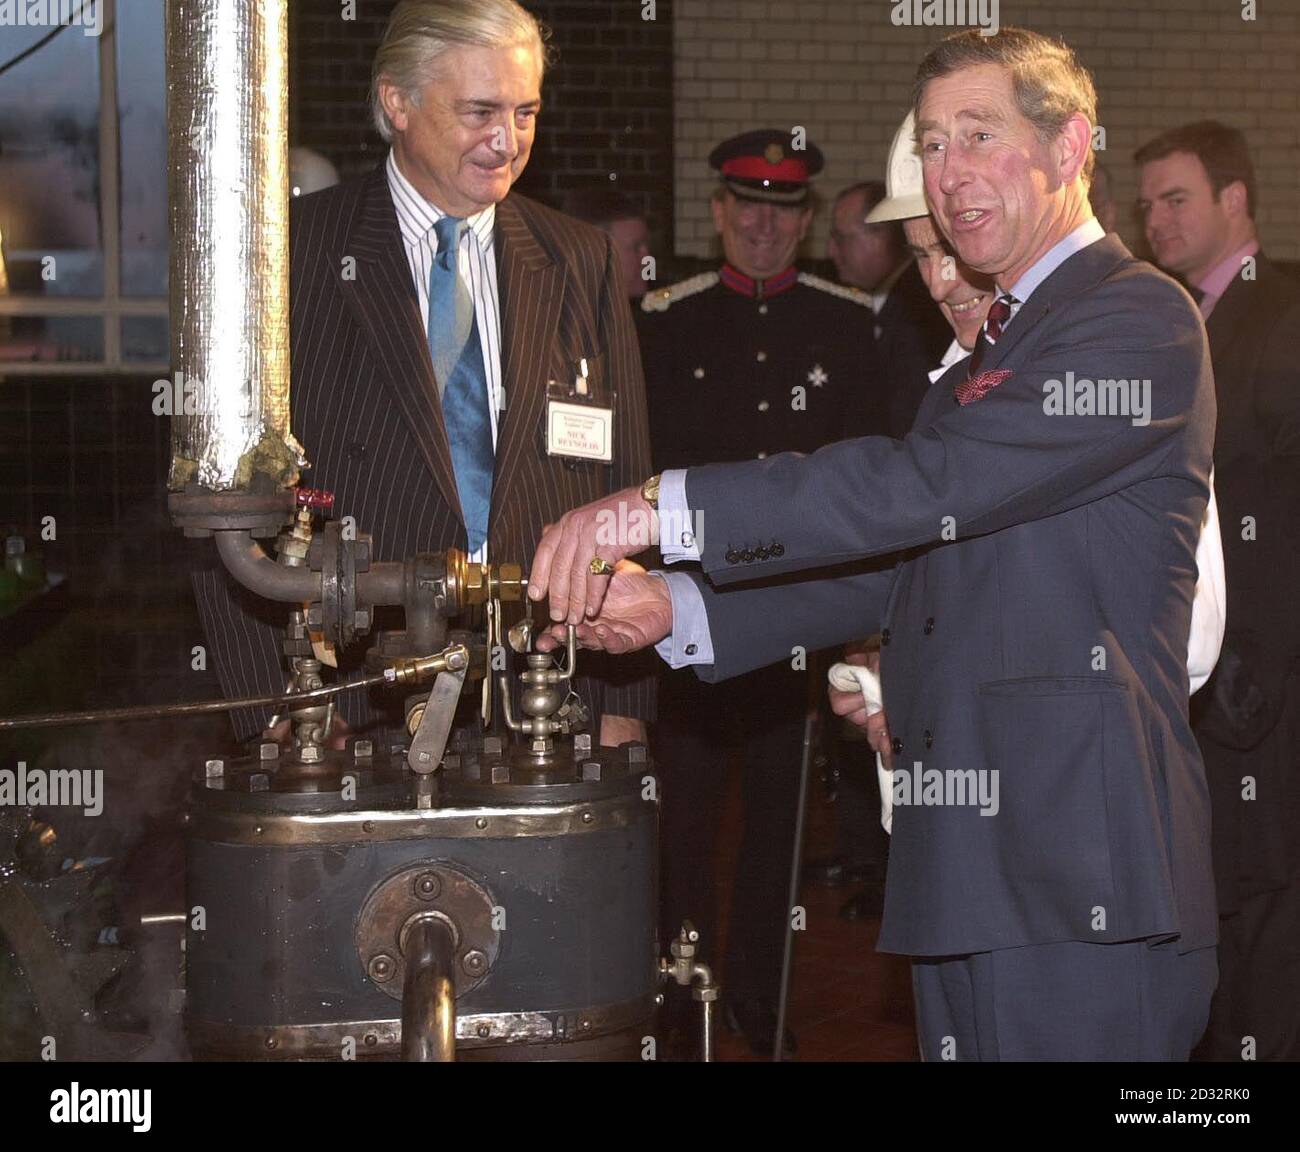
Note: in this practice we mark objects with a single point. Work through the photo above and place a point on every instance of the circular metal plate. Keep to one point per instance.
(423, 889)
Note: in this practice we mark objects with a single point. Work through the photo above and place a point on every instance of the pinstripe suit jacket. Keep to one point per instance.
(365, 407)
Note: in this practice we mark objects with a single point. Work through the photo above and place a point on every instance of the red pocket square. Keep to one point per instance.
(974, 389)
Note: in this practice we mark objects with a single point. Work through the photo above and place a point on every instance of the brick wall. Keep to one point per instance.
(843, 70)
(608, 95)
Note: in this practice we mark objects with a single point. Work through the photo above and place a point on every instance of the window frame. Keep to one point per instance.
(112, 307)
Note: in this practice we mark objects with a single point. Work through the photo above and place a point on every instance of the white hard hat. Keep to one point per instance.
(904, 185)
(309, 172)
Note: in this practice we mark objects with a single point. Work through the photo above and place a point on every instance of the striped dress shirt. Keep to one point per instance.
(476, 262)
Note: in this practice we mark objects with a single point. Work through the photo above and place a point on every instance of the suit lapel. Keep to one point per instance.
(531, 289)
(383, 300)
(1077, 274)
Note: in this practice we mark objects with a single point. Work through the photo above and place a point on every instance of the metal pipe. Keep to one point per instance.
(158, 711)
(792, 894)
(256, 571)
(429, 993)
(228, 179)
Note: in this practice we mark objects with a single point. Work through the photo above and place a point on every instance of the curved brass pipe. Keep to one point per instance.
(429, 993)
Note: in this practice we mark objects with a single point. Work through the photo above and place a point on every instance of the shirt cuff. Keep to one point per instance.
(676, 533)
(689, 642)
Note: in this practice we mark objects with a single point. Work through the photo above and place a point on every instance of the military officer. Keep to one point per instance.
(754, 358)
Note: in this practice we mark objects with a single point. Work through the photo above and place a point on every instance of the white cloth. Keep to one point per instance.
(1210, 606)
(856, 678)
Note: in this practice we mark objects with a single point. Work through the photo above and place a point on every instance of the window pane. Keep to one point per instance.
(142, 133)
(49, 164)
(145, 338)
(46, 339)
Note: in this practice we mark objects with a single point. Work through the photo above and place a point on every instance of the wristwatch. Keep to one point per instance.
(650, 492)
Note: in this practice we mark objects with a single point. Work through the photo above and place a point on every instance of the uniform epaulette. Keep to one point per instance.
(660, 298)
(840, 290)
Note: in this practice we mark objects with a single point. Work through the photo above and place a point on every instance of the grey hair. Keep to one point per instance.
(420, 31)
(1049, 83)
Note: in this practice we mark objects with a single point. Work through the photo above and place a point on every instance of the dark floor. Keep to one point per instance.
(847, 1001)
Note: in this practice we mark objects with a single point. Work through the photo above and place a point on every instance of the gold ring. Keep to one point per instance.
(599, 567)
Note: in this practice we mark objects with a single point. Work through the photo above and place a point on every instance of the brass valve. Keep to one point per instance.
(413, 670)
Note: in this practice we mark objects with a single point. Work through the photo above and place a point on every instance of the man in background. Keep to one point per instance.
(910, 335)
(1198, 199)
(617, 215)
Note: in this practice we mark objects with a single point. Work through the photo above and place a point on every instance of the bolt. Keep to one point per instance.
(591, 770)
(314, 617)
(480, 823)
(259, 782)
(427, 886)
(361, 621)
(500, 773)
(257, 831)
(272, 1042)
(371, 1039)
(363, 750)
(268, 750)
(381, 968)
(582, 744)
(584, 1023)
(311, 754)
(636, 754)
(587, 817)
(484, 1031)
(368, 826)
(214, 768)
(492, 746)
(474, 963)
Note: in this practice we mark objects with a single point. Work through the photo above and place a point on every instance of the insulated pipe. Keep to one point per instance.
(227, 127)
(428, 993)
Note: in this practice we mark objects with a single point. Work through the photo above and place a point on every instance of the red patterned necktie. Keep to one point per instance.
(999, 314)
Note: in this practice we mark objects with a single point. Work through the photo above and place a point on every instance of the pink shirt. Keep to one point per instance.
(1216, 283)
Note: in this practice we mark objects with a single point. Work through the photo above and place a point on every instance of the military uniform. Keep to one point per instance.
(738, 369)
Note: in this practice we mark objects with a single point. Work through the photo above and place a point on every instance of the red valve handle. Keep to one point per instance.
(316, 498)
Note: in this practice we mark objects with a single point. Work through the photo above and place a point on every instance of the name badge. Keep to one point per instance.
(579, 431)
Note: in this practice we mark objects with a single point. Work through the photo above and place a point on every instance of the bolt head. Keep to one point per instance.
(591, 770)
(311, 754)
(361, 621)
(484, 1031)
(259, 782)
(428, 886)
(381, 967)
(214, 768)
(474, 962)
(363, 750)
(582, 744)
(268, 750)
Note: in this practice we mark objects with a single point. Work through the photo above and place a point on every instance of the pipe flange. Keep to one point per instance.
(428, 890)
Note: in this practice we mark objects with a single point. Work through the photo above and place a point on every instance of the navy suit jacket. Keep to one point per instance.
(1036, 624)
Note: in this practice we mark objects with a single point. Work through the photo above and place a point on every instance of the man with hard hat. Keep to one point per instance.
(742, 362)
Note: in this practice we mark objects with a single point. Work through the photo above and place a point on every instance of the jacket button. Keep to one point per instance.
(778, 549)
(929, 625)
(762, 553)
(884, 637)
(928, 739)
(747, 556)
(732, 556)
(896, 745)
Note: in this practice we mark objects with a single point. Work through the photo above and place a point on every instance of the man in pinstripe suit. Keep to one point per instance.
(428, 252)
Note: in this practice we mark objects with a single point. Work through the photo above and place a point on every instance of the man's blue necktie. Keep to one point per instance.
(462, 381)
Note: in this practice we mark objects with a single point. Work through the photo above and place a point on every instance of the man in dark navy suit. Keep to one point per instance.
(1050, 866)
